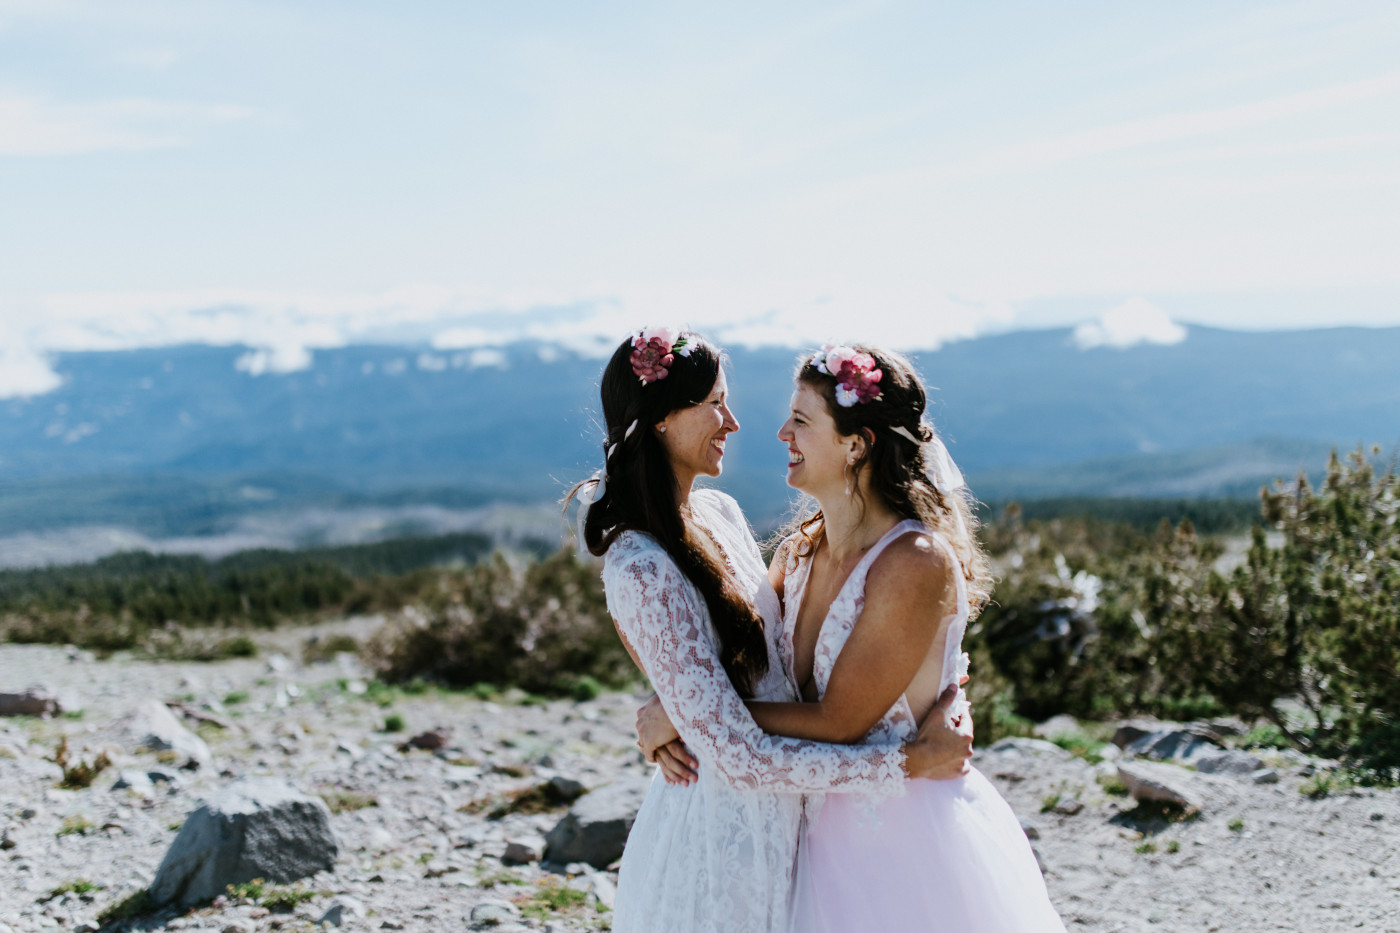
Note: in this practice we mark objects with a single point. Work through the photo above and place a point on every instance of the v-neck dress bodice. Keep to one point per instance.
(898, 723)
(946, 856)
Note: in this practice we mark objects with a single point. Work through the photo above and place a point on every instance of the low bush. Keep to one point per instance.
(543, 628)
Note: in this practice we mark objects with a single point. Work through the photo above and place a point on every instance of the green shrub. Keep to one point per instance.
(136, 904)
(394, 723)
(540, 629)
(324, 649)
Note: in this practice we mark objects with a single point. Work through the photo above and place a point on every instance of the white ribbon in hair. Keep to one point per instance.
(594, 489)
(938, 463)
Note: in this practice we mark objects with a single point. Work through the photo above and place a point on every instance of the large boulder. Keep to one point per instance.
(1230, 761)
(255, 828)
(37, 700)
(1173, 744)
(1162, 783)
(151, 726)
(595, 828)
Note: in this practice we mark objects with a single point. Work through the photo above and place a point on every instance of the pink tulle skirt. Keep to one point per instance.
(949, 856)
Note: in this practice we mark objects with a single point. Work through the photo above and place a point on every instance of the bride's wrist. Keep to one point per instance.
(915, 759)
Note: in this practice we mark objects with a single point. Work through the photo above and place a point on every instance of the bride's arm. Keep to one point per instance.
(661, 617)
(909, 592)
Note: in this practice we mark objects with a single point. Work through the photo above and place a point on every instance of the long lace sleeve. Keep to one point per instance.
(664, 619)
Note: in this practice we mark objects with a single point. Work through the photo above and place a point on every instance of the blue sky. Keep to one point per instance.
(298, 175)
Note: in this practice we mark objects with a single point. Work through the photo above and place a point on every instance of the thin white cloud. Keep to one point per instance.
(1178, 126)
(1135, 321)
(31, 126)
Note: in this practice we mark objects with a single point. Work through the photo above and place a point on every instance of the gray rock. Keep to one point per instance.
(256, 828)
(152, 726)
(37, 700)
(1068, 806)
(1172, 744)
(523, 851)
(340, 909)
(1031, 830)
(1228, 762)
(1265, 776)
(138, 781)
(1030, 748)
(1129, 732)
(596, 826)
(1057, 726)
(602, 888)
(1155, 782)
(238, 925)
(493, 913)
(567, 789)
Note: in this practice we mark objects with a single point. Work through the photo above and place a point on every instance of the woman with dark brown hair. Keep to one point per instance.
(691, 598)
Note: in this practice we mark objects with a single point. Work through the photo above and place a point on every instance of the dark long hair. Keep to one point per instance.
(641, 495)
(896, 464)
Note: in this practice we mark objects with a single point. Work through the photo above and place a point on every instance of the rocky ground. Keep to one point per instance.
(422, 833)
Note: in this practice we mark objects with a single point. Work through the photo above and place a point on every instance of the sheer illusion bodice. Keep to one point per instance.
(720, 854)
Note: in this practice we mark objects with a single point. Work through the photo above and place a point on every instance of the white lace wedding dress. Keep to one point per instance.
(948, 855)
(720, 854)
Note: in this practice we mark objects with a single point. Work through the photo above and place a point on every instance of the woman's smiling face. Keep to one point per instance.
(817, 454)
(694, 437)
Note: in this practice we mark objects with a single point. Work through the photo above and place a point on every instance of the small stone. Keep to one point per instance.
(523, 851)
(391, 925)
(492, 913)
(1068, 807)
(278, 664)
(238, 925)
(340, 909)
(1057, 726)
(567, 789)
(1031, 830)
(603, 889)
(1265, 776)
(430, 740)
(37, 700)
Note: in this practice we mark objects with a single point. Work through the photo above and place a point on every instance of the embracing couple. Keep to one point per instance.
(809, 723)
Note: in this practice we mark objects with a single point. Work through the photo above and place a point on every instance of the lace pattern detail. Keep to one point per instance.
(665, 619)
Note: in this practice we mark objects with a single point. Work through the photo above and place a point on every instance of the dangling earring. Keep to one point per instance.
(846, 472)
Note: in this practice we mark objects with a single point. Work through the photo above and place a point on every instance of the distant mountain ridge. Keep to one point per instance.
(1027, 414)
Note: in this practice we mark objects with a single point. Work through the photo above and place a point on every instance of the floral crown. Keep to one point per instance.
(654, 349)
(857, 377)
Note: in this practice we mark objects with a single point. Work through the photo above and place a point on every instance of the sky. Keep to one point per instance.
(304, 174)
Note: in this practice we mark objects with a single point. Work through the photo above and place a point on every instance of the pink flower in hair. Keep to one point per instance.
(857, 377)
(653, 352)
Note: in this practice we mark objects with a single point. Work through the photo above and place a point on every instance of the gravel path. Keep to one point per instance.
(420, 851)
